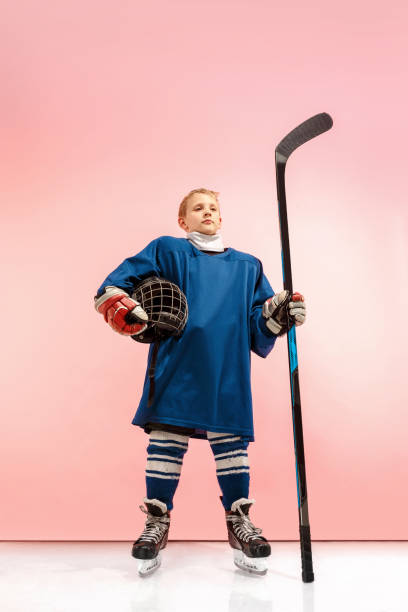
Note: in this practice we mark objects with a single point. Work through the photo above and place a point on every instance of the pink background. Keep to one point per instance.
(111, 113)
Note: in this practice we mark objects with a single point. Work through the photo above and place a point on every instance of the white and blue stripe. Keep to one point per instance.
(165, 454)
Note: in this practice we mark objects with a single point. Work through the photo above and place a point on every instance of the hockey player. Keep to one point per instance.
(202, 385)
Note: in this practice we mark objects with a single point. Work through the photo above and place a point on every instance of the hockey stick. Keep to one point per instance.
(302, 133)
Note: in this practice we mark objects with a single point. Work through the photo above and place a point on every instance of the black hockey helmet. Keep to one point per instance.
(165, 305)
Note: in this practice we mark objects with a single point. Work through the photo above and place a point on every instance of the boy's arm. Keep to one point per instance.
(262, 338)
(125, 315)
(134, 269)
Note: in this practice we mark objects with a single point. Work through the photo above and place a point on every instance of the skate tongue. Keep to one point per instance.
(155, 510)
(244, 506)
(156, 507)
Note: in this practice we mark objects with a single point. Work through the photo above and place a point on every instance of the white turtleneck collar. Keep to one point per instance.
(206, 242)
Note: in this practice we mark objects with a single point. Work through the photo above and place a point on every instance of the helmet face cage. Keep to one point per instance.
(165, 305)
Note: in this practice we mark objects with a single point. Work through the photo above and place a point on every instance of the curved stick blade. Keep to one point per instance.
(307, 130)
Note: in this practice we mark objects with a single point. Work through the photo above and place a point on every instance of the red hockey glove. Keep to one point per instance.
(274, 311)
(118, 309)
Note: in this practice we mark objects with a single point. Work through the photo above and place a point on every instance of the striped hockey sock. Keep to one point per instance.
(165, 454)
(232, 466)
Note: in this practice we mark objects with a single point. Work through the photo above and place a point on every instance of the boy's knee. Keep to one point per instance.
(167, 442)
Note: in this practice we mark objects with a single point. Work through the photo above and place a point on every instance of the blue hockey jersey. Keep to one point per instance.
(203, 377)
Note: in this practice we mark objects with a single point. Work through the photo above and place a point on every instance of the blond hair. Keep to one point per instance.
(183, 206)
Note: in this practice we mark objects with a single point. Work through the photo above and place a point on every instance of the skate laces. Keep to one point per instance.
(155, 526)
(243, 526)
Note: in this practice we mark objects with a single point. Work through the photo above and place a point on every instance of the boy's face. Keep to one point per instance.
(201, 208)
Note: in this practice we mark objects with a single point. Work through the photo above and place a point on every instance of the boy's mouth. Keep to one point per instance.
(207, 221)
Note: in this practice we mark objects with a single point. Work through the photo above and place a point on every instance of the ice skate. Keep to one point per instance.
(251, 550)
(153, 538)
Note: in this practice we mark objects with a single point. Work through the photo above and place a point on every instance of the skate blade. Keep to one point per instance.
(148, 566)
(251, 565)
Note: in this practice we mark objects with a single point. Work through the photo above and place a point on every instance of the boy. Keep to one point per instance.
(202, 386)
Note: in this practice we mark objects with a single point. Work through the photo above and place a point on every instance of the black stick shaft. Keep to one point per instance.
(304, 527)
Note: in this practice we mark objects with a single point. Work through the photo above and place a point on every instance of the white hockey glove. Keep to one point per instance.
(274, 311)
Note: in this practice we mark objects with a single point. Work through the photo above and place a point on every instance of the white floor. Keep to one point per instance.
(201, 576)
